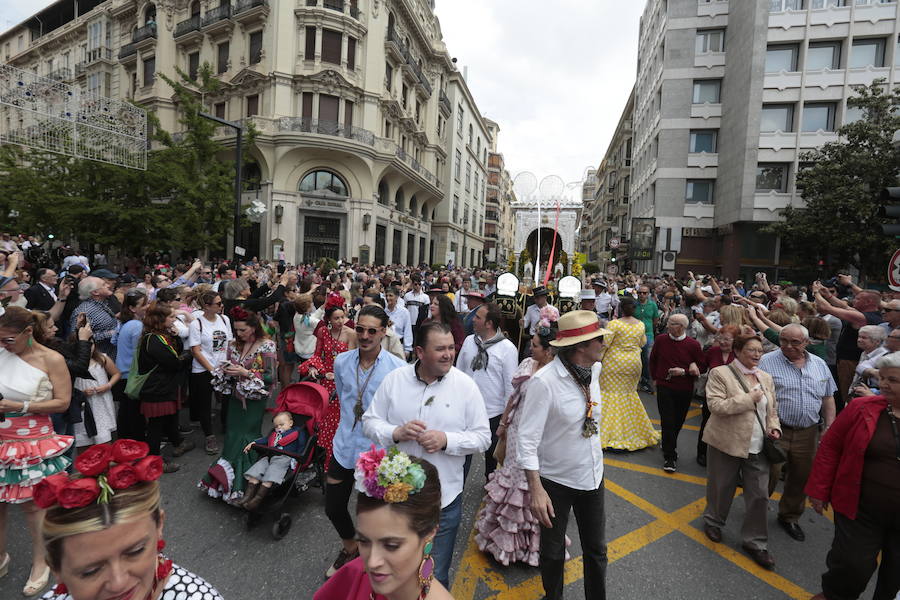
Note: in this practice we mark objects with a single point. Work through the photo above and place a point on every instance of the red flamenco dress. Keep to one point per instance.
(29, 449)
(327, 348)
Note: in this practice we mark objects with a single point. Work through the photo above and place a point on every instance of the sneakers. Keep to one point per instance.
(342, 559)
(669, 466)
(212, 446)
(170, 467)
(182, 448)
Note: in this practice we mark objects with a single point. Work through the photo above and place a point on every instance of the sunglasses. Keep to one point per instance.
(369, 330)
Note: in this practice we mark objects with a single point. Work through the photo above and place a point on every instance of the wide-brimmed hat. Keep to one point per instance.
(598, 283)
(540, 291)
(435, 289)
(578, 326)
(476, 295)
(587, 295)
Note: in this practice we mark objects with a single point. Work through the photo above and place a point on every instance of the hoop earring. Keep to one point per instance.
(426, 569)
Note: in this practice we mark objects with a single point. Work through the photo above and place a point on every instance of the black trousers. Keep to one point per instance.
(701, 445)
(591, 520)
(130, 423)
(490, 463)
(159, 427)
(201, 395)
(673, 407)
(854, 555)
(337, 497)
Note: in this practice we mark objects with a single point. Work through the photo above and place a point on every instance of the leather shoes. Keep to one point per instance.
(793, 530)
(761, 557)
(713, 533)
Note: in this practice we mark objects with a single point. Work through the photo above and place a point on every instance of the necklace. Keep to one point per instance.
(422, 595)
(894, 429)
(360, 392)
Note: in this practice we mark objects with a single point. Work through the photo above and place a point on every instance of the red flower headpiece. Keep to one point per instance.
(239, 314)
(101, 470)
(334, 299)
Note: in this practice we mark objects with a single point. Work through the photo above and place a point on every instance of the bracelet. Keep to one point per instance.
(25, 404)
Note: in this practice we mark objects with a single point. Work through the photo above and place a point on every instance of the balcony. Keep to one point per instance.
(250, 11)
(146, 32)
(445, 103)
(322, 127)
(187, 27)
(61, 74)
(217, 19)
(393, 44)
(127, 52)
(337, 5)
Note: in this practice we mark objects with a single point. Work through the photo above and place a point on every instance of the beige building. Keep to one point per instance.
(356, 103)
(499, 228)
(458, 224)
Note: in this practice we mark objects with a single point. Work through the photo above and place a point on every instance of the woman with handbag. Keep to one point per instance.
(743, 422)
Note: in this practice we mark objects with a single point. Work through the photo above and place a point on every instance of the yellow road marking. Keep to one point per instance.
(691, 427)
(655, 471)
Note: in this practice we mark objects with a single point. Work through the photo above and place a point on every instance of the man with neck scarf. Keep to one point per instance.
(490, 359)
(559, 448)
(676, 361)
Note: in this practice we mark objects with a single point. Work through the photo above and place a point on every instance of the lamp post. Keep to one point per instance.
(239, 129)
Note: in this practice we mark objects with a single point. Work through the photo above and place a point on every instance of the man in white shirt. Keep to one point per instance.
(416, 300)
(607, 300)
(432, 410)
(559, 449)
(459, 301)
(533, 312)
(490, 360)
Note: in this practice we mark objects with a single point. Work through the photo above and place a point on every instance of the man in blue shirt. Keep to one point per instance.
(357, 375)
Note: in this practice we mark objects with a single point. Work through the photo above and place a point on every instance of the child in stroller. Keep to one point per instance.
(272, 470)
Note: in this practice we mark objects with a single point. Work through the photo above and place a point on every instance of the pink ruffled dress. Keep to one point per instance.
(29, 448)
(506, 528)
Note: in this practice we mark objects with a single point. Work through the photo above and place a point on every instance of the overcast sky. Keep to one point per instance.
(555, 75)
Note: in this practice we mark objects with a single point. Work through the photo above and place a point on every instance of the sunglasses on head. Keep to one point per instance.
(369, 330)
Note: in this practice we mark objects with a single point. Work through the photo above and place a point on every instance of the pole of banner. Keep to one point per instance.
(537, 260)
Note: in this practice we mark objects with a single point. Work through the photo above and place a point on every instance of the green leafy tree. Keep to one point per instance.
(184, 199)
(840, 224)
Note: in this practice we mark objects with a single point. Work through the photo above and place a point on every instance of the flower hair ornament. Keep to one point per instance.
(239, 314)
(101, 471)
(388, 475)
(549, 316)
(334, 299)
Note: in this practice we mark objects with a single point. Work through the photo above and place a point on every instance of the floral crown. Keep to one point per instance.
(102, 469)
(549, 315)
(388, 475)
(334, 299)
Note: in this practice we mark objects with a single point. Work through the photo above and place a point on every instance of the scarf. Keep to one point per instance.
(582, 375)
(481, 359)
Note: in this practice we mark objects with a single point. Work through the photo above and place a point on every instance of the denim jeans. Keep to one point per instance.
(445, 540)
(591, 519)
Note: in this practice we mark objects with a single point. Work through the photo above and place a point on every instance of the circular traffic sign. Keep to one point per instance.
(614, 243)
(894, 272)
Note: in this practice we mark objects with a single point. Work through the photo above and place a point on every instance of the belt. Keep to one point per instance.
(792, 428)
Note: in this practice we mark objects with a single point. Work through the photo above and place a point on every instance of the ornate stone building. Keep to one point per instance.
(352, 101)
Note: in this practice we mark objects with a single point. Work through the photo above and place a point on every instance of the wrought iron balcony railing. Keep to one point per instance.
(192, 24)
(216, 14)
(143, 33)
(324, 127)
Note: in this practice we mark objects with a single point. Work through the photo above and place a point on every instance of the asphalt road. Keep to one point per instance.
(654, 529)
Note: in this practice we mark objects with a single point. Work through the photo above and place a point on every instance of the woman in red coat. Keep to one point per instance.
(857, 471)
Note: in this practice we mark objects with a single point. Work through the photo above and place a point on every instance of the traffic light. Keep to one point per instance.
(890, 209)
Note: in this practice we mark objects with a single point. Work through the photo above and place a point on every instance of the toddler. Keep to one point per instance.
(271, 470)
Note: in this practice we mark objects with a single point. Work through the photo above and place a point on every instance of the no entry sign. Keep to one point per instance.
(894, 272)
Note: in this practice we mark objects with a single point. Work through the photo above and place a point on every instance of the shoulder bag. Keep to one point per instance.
(136, 379)
(773, 453)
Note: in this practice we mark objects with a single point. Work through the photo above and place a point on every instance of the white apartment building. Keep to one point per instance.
(499, 228)
(352, 101)
(458, 224)
(729, 95)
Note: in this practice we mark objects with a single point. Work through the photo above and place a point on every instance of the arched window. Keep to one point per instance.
(150, 14)
(413, 206)
(470, 135)
(251, 176)
(324, 182)
(383, 192)
(195, 8)
(425, 212)
(398, 200)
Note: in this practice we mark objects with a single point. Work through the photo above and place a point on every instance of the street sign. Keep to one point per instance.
(894, 272)
(614, 243)
(239, 251)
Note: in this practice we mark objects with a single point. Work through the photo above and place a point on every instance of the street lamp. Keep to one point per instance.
(239, 129)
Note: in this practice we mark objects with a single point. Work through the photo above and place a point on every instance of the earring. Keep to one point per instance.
(30, 341)
(426, 569)
(160, 545)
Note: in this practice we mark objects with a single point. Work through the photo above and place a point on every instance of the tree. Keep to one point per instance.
(184, 199)
(840, 224)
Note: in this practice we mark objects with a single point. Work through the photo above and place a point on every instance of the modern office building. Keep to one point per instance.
(352, 101)
(729, 95)
(458, 223)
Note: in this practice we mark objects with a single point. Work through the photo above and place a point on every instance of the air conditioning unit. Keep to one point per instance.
(668, 260)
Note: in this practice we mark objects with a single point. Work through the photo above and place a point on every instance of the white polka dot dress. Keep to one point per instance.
(181, 585)
(625, 424)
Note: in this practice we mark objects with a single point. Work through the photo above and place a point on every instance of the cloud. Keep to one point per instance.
(554, 75)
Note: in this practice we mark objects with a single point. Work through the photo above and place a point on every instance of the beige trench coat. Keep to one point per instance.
(732, 417)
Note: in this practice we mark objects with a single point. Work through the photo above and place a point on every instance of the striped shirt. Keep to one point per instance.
(799, 391)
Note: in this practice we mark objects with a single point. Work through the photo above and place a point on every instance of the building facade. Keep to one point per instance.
(458, 224)
(729, 95)
(499, 227)
(352, 101)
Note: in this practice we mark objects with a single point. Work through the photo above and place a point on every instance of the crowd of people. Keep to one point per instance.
(426, 371)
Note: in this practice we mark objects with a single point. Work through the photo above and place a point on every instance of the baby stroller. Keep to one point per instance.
(307, 402)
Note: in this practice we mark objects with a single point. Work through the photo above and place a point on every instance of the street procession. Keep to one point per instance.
(319, 299)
